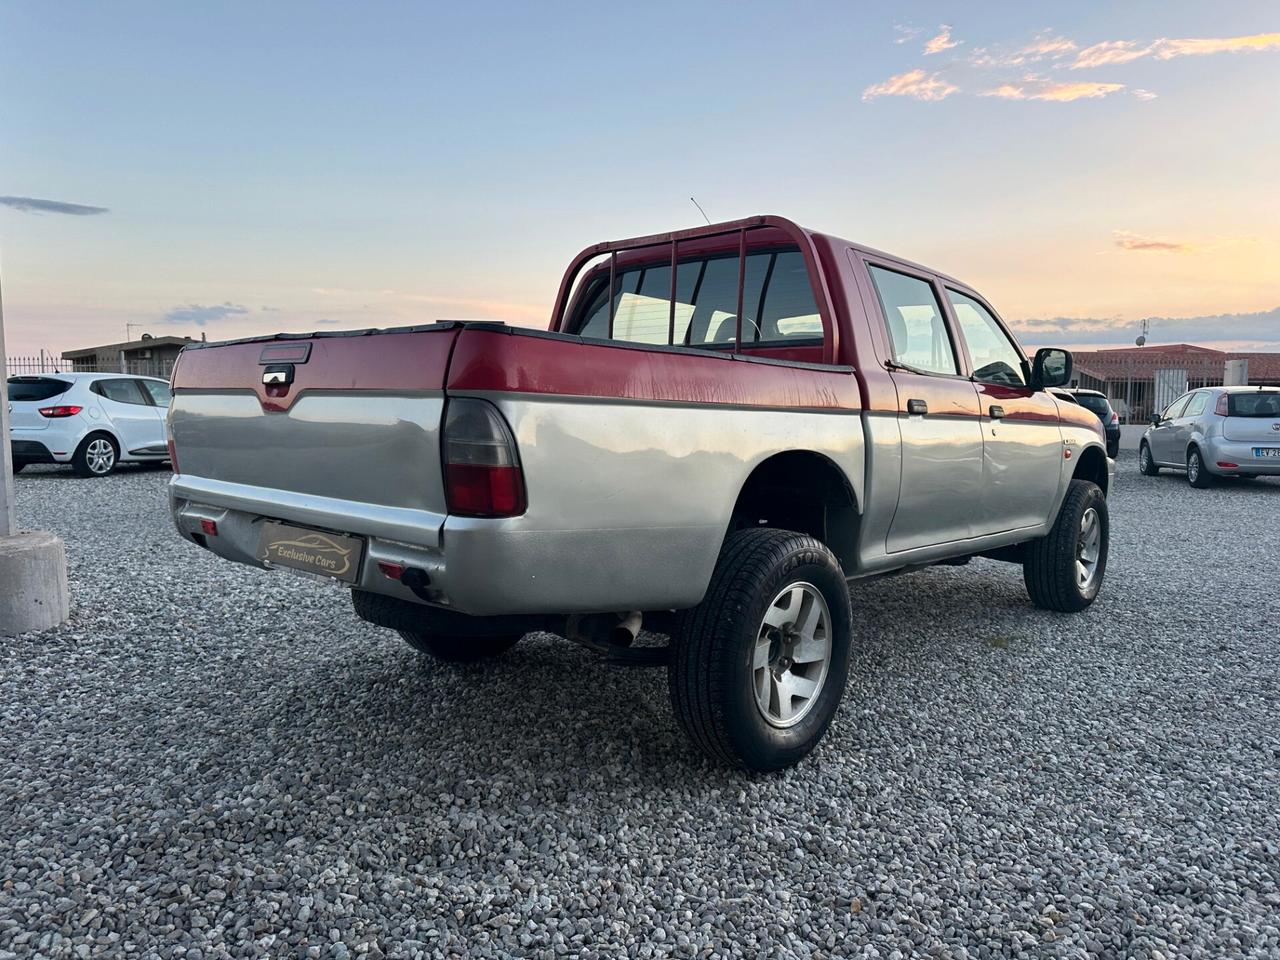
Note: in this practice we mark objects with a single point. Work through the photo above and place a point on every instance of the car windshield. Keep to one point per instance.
(1253, 405)
(1098, 405)
(36, 388)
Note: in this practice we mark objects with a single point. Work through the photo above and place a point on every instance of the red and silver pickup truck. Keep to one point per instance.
(721, 428)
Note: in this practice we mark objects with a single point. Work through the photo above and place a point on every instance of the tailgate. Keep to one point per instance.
(28, 394)
(346, 435)
(1253, 417)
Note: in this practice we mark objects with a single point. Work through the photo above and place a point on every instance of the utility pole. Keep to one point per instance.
(33, 566)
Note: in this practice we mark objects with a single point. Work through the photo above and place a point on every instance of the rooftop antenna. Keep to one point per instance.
(1142, 337)
(700, 210)
(128, 330)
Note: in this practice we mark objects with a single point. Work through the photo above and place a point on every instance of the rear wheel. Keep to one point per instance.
(1198, 474)
(459, 649)
(1064, 570)
(96, 456)
(759, 667)
(1146, 462)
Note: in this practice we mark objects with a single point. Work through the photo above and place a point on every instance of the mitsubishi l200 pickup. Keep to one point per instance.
(721, 429)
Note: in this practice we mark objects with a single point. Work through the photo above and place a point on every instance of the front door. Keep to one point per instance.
(1163, 436)
(1022, 439)
(941, 435)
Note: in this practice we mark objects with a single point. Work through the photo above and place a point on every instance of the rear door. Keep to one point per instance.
(137, 423)
(938, 416)
(27, 395)
(1022, 440)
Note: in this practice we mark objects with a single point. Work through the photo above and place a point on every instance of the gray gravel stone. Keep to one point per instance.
(210, 761)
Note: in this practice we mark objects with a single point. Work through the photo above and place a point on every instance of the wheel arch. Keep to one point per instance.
(1091, 465)
(804, 491)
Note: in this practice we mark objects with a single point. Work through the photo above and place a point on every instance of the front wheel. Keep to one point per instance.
(1063, 571)
(1146, 462)
(758, 668)
(459, 649)
(1198, 474)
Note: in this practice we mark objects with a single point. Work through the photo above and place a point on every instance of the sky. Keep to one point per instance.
(235, 169)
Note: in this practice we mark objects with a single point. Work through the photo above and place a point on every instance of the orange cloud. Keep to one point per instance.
(915, 84)
(941, 42)
(1039, 88)
(1111, 52)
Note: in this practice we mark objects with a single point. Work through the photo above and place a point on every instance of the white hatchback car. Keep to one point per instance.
(91, 420)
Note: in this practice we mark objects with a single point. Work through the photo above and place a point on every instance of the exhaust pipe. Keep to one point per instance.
(624, 631)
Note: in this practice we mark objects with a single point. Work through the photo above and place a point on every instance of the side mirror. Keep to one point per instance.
(1052, 368)
(1155, 420)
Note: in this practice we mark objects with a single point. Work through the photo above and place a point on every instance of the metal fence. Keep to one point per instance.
(48, 363)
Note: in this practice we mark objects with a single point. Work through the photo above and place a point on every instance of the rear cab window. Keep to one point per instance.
(36, 389)
(778, 305)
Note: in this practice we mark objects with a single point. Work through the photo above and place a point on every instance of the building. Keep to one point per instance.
(151, 356)
(1140, 380)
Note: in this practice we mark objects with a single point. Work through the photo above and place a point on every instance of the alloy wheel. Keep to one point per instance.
(100, 456)
(792, 654)
(1088, 548)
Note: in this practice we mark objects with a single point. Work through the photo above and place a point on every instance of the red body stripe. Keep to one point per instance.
(486, 360)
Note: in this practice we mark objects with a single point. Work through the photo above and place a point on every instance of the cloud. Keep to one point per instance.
(1111, 52)
(1128, 240)
(1144, 94)
(326, 321)
(200, 315)
(35, 205)
(1041, 88)
(1262, 327)
(906, 33)
(941, 42)
(915, 84)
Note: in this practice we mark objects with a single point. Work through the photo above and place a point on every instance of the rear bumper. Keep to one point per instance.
(477, 567)
(30, 451)
(1241, 454)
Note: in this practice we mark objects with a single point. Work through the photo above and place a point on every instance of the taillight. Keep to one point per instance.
(482, 475)
(54, 412)
(173, 455)
(1220, 408)
(1115, 418)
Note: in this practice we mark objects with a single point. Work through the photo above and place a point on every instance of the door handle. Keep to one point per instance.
(997, 412)
(917, 407)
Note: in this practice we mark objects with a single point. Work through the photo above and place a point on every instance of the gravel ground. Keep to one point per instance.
(213, 761)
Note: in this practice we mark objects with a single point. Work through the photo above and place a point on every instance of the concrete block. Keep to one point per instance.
(33, 583)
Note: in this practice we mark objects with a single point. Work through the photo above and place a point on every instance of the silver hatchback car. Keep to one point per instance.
(1216, 432)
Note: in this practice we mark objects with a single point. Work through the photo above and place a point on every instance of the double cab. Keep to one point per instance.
(720, 429)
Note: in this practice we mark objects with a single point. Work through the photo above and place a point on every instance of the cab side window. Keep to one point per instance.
(1196, 405)
(158, 391)
(1174, 410)
(995, 358)
(121, 391)
(913, 318)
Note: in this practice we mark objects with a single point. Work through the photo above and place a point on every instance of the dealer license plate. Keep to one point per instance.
(328, 554)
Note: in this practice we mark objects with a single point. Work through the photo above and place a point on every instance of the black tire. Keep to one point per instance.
(711, 669)
(459, 649)
(1049, 567)
(1198, 474)
(84, 463)
(1146, 463)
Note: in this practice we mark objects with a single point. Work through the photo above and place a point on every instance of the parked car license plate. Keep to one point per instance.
(1266, 451)
(328, 554)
